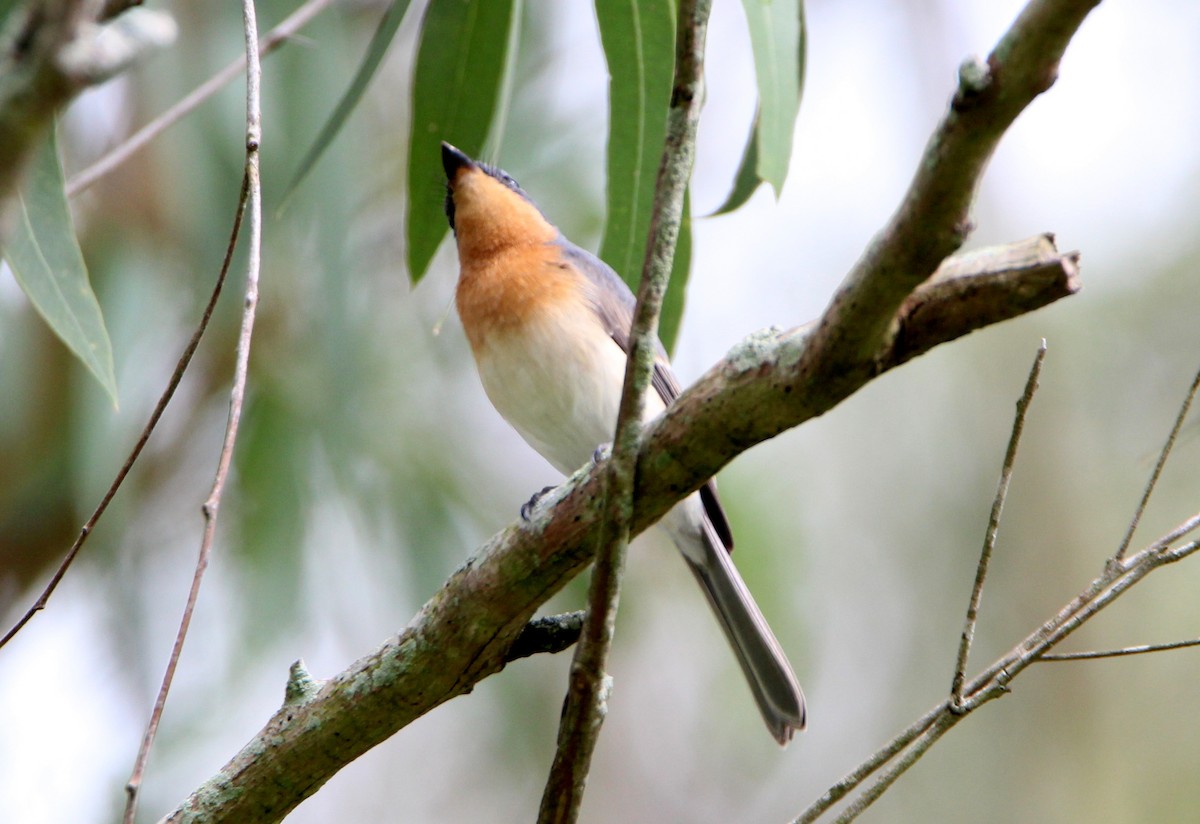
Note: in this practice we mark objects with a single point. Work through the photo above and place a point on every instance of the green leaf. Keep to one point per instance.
(639, 45)
(456, 86)
(673, 301)
(44, 256)
(746, 181)
(778, 37)
(6, 7)
(376, 50)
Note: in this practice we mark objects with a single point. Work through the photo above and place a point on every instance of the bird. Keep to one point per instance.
(548, 324)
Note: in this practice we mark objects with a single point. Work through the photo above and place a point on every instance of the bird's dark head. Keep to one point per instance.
(485, 205)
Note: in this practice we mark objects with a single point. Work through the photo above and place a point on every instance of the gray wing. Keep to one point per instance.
(614, 303)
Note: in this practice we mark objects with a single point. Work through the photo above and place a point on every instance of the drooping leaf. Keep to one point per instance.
(456, 85)
(778, 38)
(639, 45)
(44, 255)
(673, 302)
(376, 50)
(746, 181)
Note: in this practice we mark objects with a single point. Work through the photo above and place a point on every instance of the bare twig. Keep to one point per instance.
(906, 748)
(1118, 653)
(271, 41)
(589, 683)
(180, 367)
(866, 769)
(910, 755)
(81, 181)
(993, 682)
(1118, 576)
(993, 527)
(252, 202)
(1158, 467)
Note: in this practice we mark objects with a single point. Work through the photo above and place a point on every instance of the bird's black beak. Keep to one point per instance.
(453, 160)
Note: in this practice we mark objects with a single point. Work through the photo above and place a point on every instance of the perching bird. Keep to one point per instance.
(549, 325)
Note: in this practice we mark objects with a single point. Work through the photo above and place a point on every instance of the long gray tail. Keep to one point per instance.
(767, 670)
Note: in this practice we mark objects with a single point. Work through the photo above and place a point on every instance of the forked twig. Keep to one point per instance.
(1158, 467)
(907, 748)
(1118, 577)
(1118, 653)
(251, 202)
(993, 527)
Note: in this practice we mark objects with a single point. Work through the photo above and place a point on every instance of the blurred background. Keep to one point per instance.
(371, 464)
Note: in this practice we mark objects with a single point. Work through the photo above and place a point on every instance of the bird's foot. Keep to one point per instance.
(527, 507)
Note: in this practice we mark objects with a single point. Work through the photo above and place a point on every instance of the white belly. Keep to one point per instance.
(560, 390)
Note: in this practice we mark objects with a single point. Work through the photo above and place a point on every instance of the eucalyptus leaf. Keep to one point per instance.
(44, 256)
(778, 37)
(457, 82)
(639, 45)
(746, 181)
(376, 50)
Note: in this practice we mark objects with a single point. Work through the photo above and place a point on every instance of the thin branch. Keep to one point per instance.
(993, 682)
(1116, 579)
(916, 740)
(1158, 467)
(1118, 653)
(589, 683)
(866, 769)
(181, 366)
(82, 180)
(271, 41)
(993, 527)
(941, 725)
(252, 201)
(1118, 576)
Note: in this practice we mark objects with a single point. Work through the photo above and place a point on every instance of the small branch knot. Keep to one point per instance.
(300, 684)
(974, 79)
